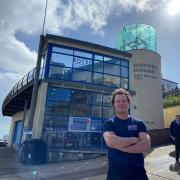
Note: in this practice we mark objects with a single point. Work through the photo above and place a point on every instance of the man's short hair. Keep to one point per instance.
(121, 91)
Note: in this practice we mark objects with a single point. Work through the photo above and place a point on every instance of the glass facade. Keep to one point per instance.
(136, 36)
(74, 117)
(87, 67)
(169, 85)
(74, 114)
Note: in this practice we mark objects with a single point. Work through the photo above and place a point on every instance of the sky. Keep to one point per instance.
(95, 21)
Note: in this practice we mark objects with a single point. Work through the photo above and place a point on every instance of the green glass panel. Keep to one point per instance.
(136, 36)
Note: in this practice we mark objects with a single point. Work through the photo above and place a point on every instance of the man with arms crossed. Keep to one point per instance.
(127, 140)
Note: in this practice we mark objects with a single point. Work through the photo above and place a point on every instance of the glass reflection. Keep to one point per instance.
(111, 80)
(62, 60)
(80, 75)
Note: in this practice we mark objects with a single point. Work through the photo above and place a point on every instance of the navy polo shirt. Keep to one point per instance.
(175, 129)
(123, 163)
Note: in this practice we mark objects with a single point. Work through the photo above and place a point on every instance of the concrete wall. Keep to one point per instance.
(40, 109)
(169, 115)
(38, 118)
(145, 80)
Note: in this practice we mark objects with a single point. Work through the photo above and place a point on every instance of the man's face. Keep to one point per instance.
(178, 117)
(121, 103)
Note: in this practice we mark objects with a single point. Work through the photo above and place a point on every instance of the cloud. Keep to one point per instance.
(15, 55)
(27, 16)
(7, 80)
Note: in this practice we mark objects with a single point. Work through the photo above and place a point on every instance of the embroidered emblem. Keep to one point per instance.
(132, 127)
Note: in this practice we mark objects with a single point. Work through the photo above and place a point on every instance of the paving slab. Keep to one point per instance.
(159, 163)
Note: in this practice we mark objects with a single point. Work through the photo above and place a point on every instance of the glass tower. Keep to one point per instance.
(136, 36)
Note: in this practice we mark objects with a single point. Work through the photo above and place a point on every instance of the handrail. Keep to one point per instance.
(29, 77)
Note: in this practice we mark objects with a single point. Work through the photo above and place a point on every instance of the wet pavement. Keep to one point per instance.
(159, 164)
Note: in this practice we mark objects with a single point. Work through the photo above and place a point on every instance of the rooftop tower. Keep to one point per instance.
(136, 36)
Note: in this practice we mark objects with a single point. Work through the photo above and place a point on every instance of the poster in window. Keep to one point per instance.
(79, 124)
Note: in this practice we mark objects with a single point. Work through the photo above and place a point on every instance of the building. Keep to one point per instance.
(74, 94)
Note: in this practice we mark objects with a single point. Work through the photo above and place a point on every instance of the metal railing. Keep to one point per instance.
(27, 79)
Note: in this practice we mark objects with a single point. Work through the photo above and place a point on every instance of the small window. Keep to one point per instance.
(98, 78)
(97, 98)
(57, 108)
(58, 72)
(62, 60)
(124, 63)
(124, 83)
(112, 69)
(80, 75)
(58, 94)
(82, 54)
(107, 99)
(124, 71)
(98, 66)
(62, 50)
(80, 110)
(98, 57)
(111, 80)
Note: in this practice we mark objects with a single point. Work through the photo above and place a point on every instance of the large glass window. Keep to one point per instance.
(98, 78)
(107, 99)
(107, 59)
(124, 71)
(124, 63)
(98, 57)
(83, 66)
(55, 123)
(62, 60)
(107, 112)
(124, 83)
(96, 111)
(96, 125)
(97, 98)
(57, 108)
(83, 97)
(58, 94)
(80, 103)
(59, 72)
(116, 61)
(83, 54)
(63, 106)
(82, 63)
(98, 66)
(111, 80)
(80, 110)
(62, 50)
(80, 75)
(112, 69)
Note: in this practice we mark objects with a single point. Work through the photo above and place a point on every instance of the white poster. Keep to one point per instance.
(79, 124)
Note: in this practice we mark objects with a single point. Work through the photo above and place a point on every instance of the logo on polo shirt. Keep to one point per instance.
(132, 127)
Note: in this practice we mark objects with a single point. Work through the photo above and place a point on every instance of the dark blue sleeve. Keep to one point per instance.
(171, 129)
(107, 126)
(142, 127)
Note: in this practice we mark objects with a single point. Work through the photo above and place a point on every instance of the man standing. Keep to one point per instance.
(127, 139)
(175, 135)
